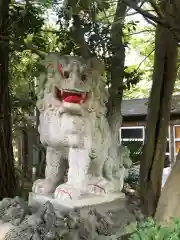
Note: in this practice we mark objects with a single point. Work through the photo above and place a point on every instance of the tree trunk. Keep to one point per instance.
(169, 202)
(117, 69)
(7, 170)
(117, 63)
(152, 160)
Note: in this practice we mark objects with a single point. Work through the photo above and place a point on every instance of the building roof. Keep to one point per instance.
(136, 107)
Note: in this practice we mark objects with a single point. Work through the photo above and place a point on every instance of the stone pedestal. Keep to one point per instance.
(112, 201)
(113, 206)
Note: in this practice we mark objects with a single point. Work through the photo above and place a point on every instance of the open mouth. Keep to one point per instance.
(70, 96)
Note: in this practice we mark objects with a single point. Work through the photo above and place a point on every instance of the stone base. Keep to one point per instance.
(113, 206)
(90, 201)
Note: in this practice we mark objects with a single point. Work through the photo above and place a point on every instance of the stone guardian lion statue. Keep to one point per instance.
(72, 99)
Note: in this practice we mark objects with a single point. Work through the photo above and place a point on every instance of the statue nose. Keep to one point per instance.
(75, 81)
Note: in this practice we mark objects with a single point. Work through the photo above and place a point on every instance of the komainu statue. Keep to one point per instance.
(72, 99)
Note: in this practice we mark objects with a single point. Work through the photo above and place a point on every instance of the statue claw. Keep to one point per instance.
(96, 189)
(43, 186)
(65, 192)
(99, 186)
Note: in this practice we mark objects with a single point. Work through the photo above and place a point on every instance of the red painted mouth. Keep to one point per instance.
(70, 96)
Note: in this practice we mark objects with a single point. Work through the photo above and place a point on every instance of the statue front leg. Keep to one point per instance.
(54, 173)
(77, 175)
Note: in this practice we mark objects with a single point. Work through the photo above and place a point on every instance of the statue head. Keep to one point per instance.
(70, 81)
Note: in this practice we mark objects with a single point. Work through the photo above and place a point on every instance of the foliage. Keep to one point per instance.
(23, 65)
(28, 34)
(96, 22)
(133, 177)
(150, 230)
(24, 68)
(143, 44)
(27, 22)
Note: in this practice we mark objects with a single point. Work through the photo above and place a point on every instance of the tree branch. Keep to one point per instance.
(156, 8)
(150, 22)
(143, 31)
(145, 59)
(31, 47)
(146, 14)
(152, 17)
(117, 68)
(77, 33)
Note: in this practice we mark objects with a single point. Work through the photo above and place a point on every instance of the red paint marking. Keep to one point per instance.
(60, 69)
(63, 191)
(95, 185)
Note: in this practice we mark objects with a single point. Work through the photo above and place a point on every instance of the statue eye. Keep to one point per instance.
(66, 74)
(83, 77)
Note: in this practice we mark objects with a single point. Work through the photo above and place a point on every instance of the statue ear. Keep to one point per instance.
(96, 64)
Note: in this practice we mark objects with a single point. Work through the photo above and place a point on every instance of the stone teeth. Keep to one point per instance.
(61, 92)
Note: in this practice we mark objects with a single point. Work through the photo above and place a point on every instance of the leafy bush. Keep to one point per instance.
(133, 176)
(150, 230)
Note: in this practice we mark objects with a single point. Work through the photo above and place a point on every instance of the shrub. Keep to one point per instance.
(133, 177)
(150, 230)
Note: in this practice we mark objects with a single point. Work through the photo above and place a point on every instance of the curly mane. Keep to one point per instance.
(98, 88)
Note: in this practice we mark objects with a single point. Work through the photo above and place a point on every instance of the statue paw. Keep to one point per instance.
(65, 192)
(99, 186)
(96, 189)
(43, 186)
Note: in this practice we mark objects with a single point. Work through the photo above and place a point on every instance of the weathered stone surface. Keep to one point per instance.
(113, 207)
(109, 201)
(72, 99)
(49, 224)
(47, 218)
